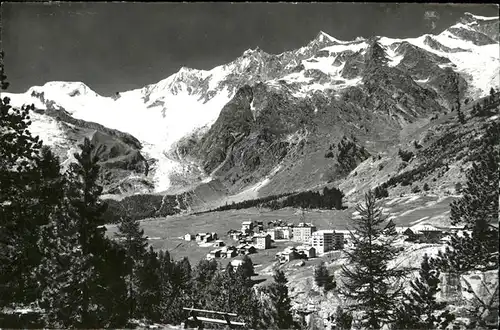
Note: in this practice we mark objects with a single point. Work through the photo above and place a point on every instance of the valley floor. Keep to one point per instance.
(167, 233)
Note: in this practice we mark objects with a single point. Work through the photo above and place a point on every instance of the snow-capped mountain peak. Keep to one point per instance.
(471, 17)
(69, 88)
(250, 51)
(323, 36)
(162, 113)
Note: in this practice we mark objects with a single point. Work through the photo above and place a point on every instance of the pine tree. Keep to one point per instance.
(132, 238)
(87, 209)
(20, 208)
(281, 303)
(390, 229)
(461, 116)
(204, 273)
(180, 291)
(343, 319)
(80, 267)
(149, 295)
(229, 282)
(166, 265)
(478, 208)
(369, 282)
(62, 272)
(112, 303)
(420, 309)
(381, 192)
(247, 304)
(323, 278)
(465, 253)
(246, 268)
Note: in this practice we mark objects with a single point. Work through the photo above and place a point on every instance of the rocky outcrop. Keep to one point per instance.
(477, 38)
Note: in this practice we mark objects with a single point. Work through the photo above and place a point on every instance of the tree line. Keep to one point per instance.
(328, 199)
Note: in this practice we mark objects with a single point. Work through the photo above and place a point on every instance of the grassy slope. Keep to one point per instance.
(166, 233)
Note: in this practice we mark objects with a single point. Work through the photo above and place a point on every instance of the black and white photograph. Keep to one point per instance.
(253, 165)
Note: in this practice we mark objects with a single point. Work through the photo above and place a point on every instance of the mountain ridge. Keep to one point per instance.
(328, 89)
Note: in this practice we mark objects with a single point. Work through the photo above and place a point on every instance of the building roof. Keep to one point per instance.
(236, 262)
(303, 224)
(342, 231)
(423, 227)
(400, 229)
(264, 235)
(304, 247)
(324, 231)
(246, 223)
(228, 249)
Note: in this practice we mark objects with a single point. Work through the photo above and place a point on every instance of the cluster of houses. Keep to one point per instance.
(298, 252)
(252, 234)
(227, 252)
(315, 242)
(253, 237)
(201, 237)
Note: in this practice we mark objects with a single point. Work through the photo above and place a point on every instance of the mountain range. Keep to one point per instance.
(268, 124)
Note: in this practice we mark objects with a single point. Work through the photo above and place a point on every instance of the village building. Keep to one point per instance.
(303, 232)
(236, 235)
(246, 226)
(274, 234)
(236, 263)
(219, 243)
(244, 249)
(228, 252)
(246, 240)
(201, 237)
(338, 240)
(455, 229)
(400, 230)
(205, 237)
(280, 233)
(327, 240)
(306, 251)
(288, 254)
(262, 241)
(424, 233)
(214, 254)
(287, 232)
(189, 237)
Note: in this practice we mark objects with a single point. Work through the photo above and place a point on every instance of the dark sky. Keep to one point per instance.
(118, 46)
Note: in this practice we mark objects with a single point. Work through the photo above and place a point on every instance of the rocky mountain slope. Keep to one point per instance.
(267, 124)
